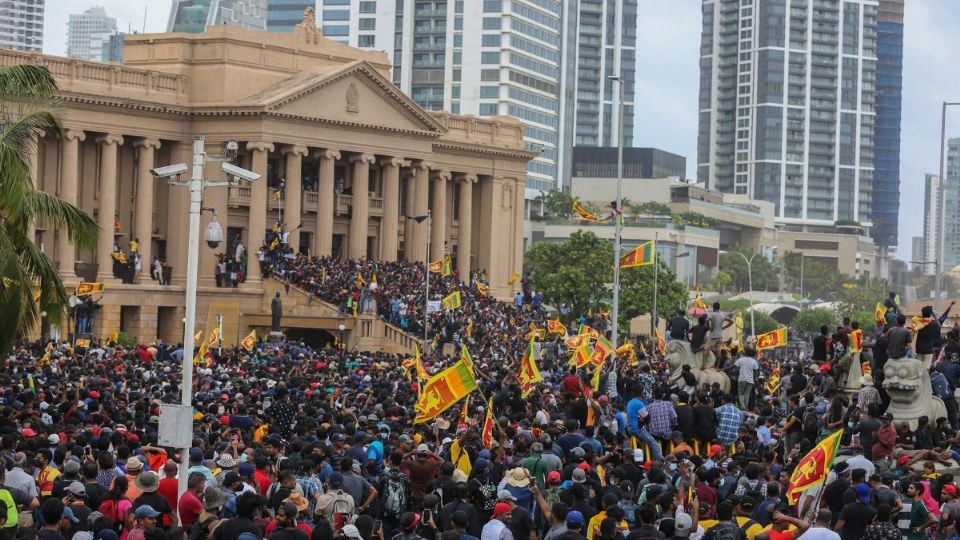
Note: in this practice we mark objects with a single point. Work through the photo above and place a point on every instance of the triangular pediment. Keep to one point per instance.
(353, 94)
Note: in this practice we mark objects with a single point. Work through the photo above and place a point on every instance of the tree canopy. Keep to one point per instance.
(765, 275)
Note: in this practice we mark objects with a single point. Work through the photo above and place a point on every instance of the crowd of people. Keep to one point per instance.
(292, 441)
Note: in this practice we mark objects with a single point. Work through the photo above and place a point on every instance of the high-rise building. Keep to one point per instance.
(21, 24)
(886, 159)
(916, 253)
(931, 225)
(195, 15)
(283, 15)
(89, 32)
(547, 62)
(951, 201)
(113, 48)
(787, 97)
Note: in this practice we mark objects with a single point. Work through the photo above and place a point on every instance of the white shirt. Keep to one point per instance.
(819, 533)
(748, 366)
(860, 462)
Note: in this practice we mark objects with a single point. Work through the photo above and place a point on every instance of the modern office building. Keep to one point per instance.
(546, 62)
(113, 48)
(284, 15)
(196, 15)
(601, 162)
(951, 202)
(787, 106)
(886, 160)
(21, 24)
(89, 32)
(916, 253)
(931, 225)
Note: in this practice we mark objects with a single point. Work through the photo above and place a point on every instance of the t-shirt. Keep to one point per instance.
(289, 534)
(748, 367)
(154, 499)
(190, 508)
(819, 351)
(232, 528)
(717, 318)
(918, 517)
(819, 533)
(868, 428)
(46, 534)
(698, 335)
(679, 326)
(897, 339)
(856, 516)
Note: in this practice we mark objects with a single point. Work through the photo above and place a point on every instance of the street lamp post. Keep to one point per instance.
(617, 226)
(941, 191)
(426, 278)
(753, 330)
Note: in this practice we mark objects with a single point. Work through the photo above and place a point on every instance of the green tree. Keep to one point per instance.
(30, 108)
(766, 277)
(636, 293)
(858, 300)
(765, 323)
(720, 282)
(575, 272)
(819, 281)
(557, 203)
(809, 321)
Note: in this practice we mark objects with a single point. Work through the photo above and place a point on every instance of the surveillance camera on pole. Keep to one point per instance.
(239, 173)
(169, 171)
(213, 236)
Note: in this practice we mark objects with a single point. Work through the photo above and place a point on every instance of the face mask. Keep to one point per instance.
(673, 466)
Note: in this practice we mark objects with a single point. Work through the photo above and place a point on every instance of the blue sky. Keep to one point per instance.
(668, 79)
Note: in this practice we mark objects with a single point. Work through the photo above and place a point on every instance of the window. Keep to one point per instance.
(336, 15)
(457, 57)
(492, 23)
(455, 91)
(491, 40)
(488, 109)
(490, 57)
(368, 24)
(368, 7)
(458, 40)
(365, 41)
(489, 92)
(489, 74)
(335, 30)
(492, 6)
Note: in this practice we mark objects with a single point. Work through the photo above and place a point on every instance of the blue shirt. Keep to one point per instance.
(375, 453)
(763, 434)
(635, 408)
(728, 422)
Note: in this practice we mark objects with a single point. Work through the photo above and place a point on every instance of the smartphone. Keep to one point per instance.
(426, 516)
(377, 525)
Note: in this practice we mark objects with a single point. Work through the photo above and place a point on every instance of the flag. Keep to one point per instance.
(275, 244)
(197, 415)
(250, 341)
(856, 341)
(82, 343)
(452, 301)
(486, 434)
(583, 213)
(215, 337)
(447, 269)
(880, 314)
(813, 468)
(642, 255)
(31, 383)
(482, 288)
(601, 350)
(444, 390)
(196, 337)
(436, 267)
(698, 301)
(422, 373)
(470, 328)
(514, 277)
(576, 341)
(119, 257)
(83, 289)
(738, 325)
(661, 343)
(587, 331)
(535, 332)
(529, 371)
(465, 357)
(919, 323)
(773, 383)
(373, 278)
(582, 356)
(554, 326)
(115, 337)
(464, 415)
(360, 282)
(595, 380)
(276, 195)
(773, 339)
(201, 352)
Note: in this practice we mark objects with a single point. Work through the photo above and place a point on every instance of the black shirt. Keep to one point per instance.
(646, 532)
(685, 421)
(798, 423)
(47, 534)
(698, 335)
(868, 429)
(232, 528)
(678, 326)
(288, 534)
(154, 499)
(521, 523)
(820, 348)
(705, 422)
(856, 516)
(926, 337)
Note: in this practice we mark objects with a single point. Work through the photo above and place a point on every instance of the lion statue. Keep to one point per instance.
(679, 354)
(911, 395)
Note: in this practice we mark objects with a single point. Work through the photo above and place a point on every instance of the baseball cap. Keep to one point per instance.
(682, 525)
(505, 495)
(951, 489)
(714, 450)
(68, 514)
(553, 476)
(863, 492)
(501, 508)
(423, 449)
(578, 476)
(574, 517)
(146, 511)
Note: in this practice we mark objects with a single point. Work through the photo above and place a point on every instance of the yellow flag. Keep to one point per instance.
(250, 341)
(215, 336)
(201, 352)
(421, 371)
(460, 458)
(482, 288)
(514, 278)
(452, 301)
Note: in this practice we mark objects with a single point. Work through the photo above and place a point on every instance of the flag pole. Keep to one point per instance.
(656, 275)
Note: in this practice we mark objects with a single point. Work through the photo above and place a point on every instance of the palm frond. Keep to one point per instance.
(80, 226)
(27, 80)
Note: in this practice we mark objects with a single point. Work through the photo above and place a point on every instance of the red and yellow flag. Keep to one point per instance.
(482, 288)
(452, 301)
(880, 314)
(588, 331)
(773, 383)
(514, 277)
(584, 214)
(214, 337)
(554, 326)
(250, 341)
(444, 390)
(582, 355)
(436, 267)
(82, 343)
(866, 368)
(486, 434)
(773, 339)
(464, 412)
(813, 468)
(575, 342)
(197, 336)
(642, 255)
(418, 363)
(661, 343)
(601, 350)
(919, 323)
(83, 289)
(535, 332)
(529, 371)
(856, 341)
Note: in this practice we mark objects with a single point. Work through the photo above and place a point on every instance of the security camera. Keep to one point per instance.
(230, 149)
(239, 172)
(214, 234)
(169, 170)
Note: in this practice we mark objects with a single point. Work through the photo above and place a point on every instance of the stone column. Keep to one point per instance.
(465, 226)
(391, 208)
(143, 226)
(360, 205)
(257, 223)
(420, 205)
(69, 180)
(438, 213)
(107, 203)
(293, 194)
(323, 243)
(410, 190)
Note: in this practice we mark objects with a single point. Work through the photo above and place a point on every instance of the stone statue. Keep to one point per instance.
(276, 311)
(911, 396)
(679, 354)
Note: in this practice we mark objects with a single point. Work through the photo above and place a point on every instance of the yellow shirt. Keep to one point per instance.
(593, 527)
(753, 530)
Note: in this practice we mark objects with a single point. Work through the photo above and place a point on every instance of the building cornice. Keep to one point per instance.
(466, 148)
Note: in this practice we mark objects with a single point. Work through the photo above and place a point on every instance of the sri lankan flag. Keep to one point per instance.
(250, 341)
(813, 468)
(201, 352)
(529, 371)
(698, 301)
(486, 434)
(470, 328)
(465, 357)
(582, 356)
(773, 383)
(444, 390)
(275, 244)
(197, 336)
(83, 289)
(661, 343)
(436, 267)
(584, 214)
(588, 331)
(856, 341)
(574, 342)
(514, 277)
(214, 337)
(82, 343)
(595, 380)
(482, 288)
(919, 323)
(880, 314)
(422, 373)
(628, 350)
(601, 350)
(773, 339)
(447, 269)
(642, 255)
(554, 326)
(535, 332)
(452, 301)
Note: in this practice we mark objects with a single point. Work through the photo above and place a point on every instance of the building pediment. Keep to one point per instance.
(354, 94)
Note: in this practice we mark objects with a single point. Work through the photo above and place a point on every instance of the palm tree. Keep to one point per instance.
(29, 281)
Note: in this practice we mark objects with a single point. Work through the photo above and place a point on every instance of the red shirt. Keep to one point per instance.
(263, 480)
(776, 535)
(272, 526)
(190, 508)
(168, 488)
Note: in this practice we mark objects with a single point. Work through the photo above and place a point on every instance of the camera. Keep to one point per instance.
(214, 233)
(239, 172)
(169, 170)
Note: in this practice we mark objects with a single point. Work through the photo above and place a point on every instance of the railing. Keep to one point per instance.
(238, 196)
(343, 204)
(500, 130)
(311, 201)
(84, 77)
(376, 206)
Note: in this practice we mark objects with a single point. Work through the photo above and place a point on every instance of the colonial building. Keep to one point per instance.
(355, 157)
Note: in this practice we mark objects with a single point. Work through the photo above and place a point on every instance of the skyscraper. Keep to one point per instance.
(951, 201)
(195, 15)
(21, 24)
(89, 32)
(931, 225)
(886, 160)
(283, 15)
(787, 94)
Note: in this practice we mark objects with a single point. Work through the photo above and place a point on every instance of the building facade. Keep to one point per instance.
(88, 33)
(931, 223)
(113, 48)
(886, 159)
(355, 153)
(787, 106)
(917, 248)
(600, 162)
(21, 24)
(284, 15)
(951, 202)
(194, 16)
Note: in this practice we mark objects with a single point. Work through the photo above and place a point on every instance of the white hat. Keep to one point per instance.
(350, 531)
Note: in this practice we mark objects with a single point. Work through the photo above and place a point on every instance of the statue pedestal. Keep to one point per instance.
(275, 337)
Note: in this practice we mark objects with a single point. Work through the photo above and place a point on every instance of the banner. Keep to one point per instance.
(773, 339)
(584, 214)
(84, 289)
(443, 391)
(813, 468)
(642, 255)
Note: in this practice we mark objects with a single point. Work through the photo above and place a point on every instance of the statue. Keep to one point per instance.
(911, 396)
(276, 311)
(679, 354)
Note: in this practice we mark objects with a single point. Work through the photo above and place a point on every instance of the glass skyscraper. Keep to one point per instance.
(195, 15)
(886, 161)
(787, 106)
(283, 15)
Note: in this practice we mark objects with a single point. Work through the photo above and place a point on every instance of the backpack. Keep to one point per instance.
(940, 385)
(200, 530)
(110, 510)
(394, 495)
(810, 426)
(725, 531)
(488, 496)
